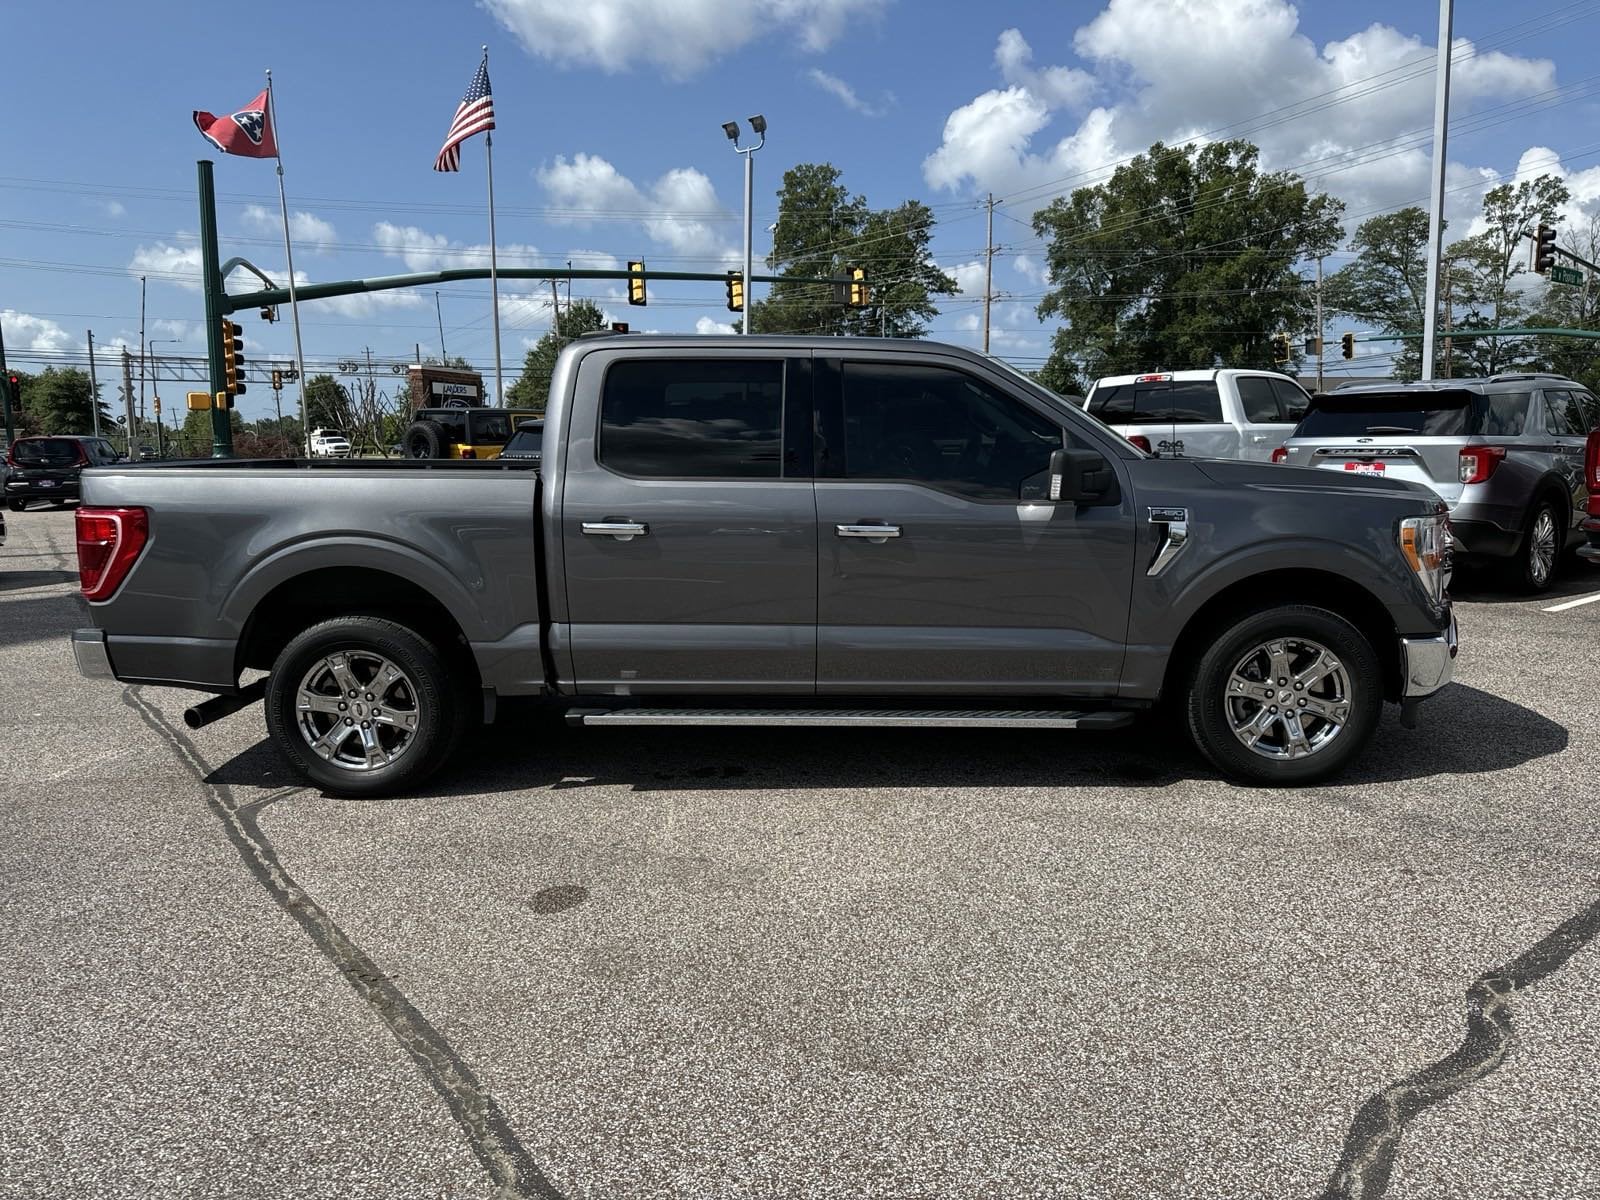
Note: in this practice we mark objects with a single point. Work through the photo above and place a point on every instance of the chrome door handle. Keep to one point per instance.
(873, 533)
(623, 531)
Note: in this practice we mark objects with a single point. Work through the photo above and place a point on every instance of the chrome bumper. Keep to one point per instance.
(89, 649)
(1429, 663)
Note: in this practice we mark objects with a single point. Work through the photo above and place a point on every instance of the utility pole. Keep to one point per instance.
(1444, 367)
(1319, 322)
(1441, 112)
(988, 267)
(141, 349)
(94, 387)
(444, 355)
(127, 400)
(5, 388)
(555, 313)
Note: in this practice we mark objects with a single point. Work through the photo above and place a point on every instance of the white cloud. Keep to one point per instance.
(968, 277)
(178, 265)
(680, 210)
(706, 325)
(846, 94)
(114, 208)
(424, 251)
(24, 331)
(305, 228)
(1247, 71)
(681, 37)
(1031, 269)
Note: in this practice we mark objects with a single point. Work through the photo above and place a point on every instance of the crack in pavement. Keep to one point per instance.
(487, 1130)
(1374, 1138)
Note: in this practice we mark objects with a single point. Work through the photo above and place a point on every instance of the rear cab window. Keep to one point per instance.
(680, 418)
(1158, 402)
(1378, 414)
(46, 452)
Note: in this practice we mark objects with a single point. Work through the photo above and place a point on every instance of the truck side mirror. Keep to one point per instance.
(1081, 477)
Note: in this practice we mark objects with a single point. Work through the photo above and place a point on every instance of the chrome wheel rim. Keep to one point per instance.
(1542, 546)
(1288, 698)
(358, 711)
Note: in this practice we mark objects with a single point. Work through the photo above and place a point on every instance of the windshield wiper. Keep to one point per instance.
(1390, 429)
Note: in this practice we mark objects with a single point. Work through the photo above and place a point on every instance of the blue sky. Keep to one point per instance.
(609, 144)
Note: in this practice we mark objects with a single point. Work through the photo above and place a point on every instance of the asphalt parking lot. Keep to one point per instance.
(639, 963)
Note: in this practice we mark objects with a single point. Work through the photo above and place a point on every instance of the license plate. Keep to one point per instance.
(1365, 468)
(46, 482)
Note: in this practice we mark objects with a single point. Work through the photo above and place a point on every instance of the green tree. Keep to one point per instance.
(822, 231)
(1565, 307)
(1490, 262)
(532, 387)
(1385, 285)
(194, 439)
(1185, 257)
(327, 403)
(62, 401)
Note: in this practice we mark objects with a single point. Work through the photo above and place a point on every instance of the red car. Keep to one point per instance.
(1591, 476)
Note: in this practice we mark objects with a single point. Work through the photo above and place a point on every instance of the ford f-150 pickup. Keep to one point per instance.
(775, 531)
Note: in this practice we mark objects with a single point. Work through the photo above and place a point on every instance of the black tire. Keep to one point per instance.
(439, 698)
(1531, 571)
(424, 439)
(1211, 707)
(16, 505)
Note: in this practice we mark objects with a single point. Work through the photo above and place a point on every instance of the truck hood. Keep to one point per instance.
(1309, 480)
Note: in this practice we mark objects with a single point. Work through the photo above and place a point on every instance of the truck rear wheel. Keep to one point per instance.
(1285, 695)
(363, 706)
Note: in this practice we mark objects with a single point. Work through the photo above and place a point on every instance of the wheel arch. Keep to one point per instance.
(1295, 585)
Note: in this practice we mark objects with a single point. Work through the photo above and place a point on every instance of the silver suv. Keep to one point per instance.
(1505, 454)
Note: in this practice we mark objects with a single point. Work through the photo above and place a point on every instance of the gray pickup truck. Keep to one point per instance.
(775, 531)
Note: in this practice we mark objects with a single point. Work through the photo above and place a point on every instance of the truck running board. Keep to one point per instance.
(967, 718)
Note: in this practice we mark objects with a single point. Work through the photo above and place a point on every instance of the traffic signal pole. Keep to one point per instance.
(211, 278)
(5, 387)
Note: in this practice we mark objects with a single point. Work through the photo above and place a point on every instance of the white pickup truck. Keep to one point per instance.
(1201, 414)
(329, 443)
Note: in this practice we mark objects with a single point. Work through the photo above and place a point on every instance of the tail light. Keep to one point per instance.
(1281, 454)
(1139, 440)
(1477, 463)
(1591, 463)
(469, 452)
(109, 542)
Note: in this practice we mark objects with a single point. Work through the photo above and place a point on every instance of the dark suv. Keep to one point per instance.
(1506, 454)
(47, 468)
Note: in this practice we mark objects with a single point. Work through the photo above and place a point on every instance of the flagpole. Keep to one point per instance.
(494, 268)
(288, 254)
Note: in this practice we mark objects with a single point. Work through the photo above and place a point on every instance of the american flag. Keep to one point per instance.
(474, 115)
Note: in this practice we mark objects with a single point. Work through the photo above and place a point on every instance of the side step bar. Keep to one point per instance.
(916, 718)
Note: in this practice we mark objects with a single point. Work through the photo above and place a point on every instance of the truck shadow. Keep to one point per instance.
(1462, 731)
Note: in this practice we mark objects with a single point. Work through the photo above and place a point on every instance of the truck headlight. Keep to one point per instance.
(1425, 544)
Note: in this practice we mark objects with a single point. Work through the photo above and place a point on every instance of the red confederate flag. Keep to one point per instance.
(247, 132)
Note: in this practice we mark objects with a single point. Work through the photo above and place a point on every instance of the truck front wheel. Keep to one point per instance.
(363, 706)
(1285, 695)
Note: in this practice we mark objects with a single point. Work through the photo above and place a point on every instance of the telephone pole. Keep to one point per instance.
(988, 267)
(127, 398)
(1319, 322)
(94, 386)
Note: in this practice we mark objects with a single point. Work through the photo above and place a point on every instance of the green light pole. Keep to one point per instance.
(211, 278)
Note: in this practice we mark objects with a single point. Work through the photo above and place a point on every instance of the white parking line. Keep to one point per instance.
(1562, 607)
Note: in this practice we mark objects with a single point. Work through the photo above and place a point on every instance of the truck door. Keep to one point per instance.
(942, 566)
(688, 524)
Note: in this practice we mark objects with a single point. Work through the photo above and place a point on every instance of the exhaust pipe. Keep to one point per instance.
(217, 707)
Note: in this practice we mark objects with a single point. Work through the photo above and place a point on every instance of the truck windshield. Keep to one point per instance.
(1424, 413)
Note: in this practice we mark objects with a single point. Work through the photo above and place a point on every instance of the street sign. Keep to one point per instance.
(1568, 275)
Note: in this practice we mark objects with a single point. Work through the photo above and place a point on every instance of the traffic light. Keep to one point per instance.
(860, 293)
(232, 359)
(636, 283)
(1347, 345)
(735, 291)
(1280, 347)
(199, 401)
(14, 390)
(277, 380)
(224, 400)
(619, 327)
(1544, 249)
(269, 313)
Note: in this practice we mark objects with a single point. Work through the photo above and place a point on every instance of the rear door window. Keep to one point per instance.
(693, 419)
(1420, 413)
(1258, 399)
(1591, 410)
(1292, 399)
(1563, 415)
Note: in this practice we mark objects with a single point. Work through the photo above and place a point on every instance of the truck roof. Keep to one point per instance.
(1188, 376)
(777, 341)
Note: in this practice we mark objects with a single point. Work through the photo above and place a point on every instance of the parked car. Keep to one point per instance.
(461, 432)
(1590, 552)
(527, 443)
(1200, 414)
(776, 531)
(329, 443)
(47, 468)
(1505, 454)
